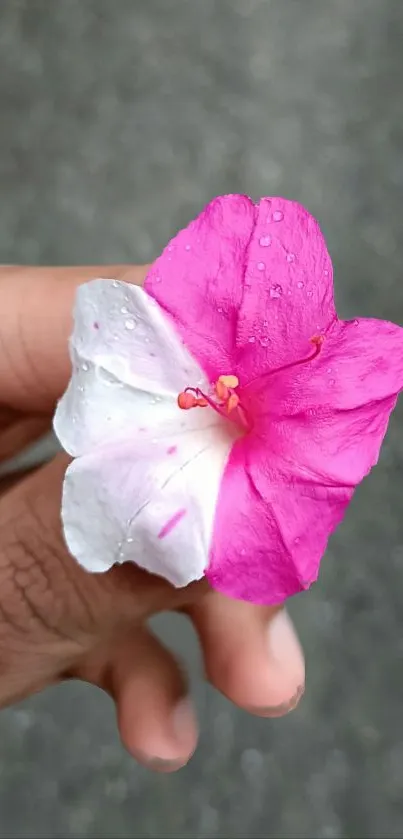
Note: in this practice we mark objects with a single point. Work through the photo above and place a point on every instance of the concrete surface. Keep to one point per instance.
(119, 120)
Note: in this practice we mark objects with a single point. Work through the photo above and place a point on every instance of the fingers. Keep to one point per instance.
(155, 718)
(17, 435)
(251, 654)
(36, 304)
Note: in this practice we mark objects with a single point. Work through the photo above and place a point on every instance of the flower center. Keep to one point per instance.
(224, 398)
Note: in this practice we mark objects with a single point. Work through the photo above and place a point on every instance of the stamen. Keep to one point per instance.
(227, 400)
(316, 340)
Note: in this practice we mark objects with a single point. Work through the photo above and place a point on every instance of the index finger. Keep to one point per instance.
(36, 319)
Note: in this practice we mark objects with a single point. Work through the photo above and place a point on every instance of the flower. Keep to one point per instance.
(221, 418)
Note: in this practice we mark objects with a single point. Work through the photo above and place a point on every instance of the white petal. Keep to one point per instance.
(154, 506)
(128, 367)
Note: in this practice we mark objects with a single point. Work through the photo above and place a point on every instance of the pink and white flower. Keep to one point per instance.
(221, 417)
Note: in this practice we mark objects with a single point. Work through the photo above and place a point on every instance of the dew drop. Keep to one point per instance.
(265, 323)
(153, 401)
(124, 310)
(187, 247)
(252, 339)
(96, 325)
(243, 551)
(146, 340)
(265, 241)
(130, 539)
(290, 257)
(115, 284)
(278, 215)
(355, 321)
(276, 291)
(326, 272)
(157, 279)
(85, 366)
(264, 342)
(300, 284)
(219, 309)
(329, 370)
(260, 266)
(309, 293)
(130, 324)
(332, 382)
(170, 248)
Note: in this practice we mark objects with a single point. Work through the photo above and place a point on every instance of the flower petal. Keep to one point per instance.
(128, 367)
(270, 531)
(330, 415)
(247, 286)
(154, 506)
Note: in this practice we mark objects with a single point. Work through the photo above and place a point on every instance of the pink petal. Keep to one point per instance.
(271, 530)
(330, 415)
(247, 286)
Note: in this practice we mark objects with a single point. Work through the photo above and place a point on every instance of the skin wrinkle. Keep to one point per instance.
(27, 563)
(21, 381)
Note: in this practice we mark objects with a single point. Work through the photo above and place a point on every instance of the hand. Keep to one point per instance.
(57, 621)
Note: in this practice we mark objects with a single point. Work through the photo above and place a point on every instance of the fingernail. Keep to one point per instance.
(285, 707)
(184, 724)
(284, 645)
(157, 764)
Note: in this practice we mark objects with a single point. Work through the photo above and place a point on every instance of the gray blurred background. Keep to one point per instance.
(119, 120)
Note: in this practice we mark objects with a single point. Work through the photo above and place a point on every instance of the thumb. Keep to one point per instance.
(36, 306)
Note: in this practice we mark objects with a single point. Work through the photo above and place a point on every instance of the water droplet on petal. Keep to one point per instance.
(115, 284)
(309, 293)
(219, 309)
(85, 366)
(96, 325)
(265, 241)
(264, 341)
(260, 266)
(170, 247)
(329, 370)
(332, 382)
(124, 310)
(130, 539)
(157, 279)
(326, 272)
(290, 257)
(130, 324)
(276, 291)
(355, 321)
(278, 215)
(252, 339)
(187, 247)
(153, 401)
(300, 284)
